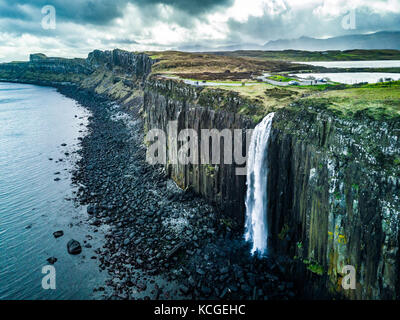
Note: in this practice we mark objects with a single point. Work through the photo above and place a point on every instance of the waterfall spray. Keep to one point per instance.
(257, 178)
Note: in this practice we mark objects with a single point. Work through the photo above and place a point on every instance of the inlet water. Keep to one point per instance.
(256, 229)
(34, 123)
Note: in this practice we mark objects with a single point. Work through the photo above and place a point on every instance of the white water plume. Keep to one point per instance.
(257, 178)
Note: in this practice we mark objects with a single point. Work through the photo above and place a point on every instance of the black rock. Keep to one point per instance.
(74, 247)
(90, 209)
(200, 272)
(184, 289)
(52, 260)
(224, 270)
(206, 290)
(141, 286)
(224, 293)
(58, 234)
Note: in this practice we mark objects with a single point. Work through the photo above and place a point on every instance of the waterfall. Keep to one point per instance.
(257, 178)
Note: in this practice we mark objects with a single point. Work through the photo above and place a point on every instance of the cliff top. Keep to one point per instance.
(118, 70)
(238, 72)
(206, 66)
(331, 55)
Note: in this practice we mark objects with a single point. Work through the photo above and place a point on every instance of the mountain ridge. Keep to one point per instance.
(377, 40)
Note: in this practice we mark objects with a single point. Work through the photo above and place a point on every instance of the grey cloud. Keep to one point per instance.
(102, 12)
(293, 24)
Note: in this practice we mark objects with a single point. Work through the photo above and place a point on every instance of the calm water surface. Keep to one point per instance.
(355, 64)
(34, 122)
(351, 77)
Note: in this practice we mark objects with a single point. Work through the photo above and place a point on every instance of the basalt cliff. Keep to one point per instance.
(333, 184)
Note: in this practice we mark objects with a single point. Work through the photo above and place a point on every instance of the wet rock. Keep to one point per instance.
(52, 260)
(206, 290)
(141, 286)
(175, 249)
(200, 271)
(58, 234)
(90, 209)
(224, 293)
(74, 247)
(184, 289)
(224, 270)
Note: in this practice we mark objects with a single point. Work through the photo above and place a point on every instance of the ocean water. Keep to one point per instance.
(351, 77)
(34, 122)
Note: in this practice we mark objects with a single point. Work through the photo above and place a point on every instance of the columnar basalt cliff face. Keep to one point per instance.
(193, 108)
(43, 68)
(334, 200)
(137, 64)
(120, 64)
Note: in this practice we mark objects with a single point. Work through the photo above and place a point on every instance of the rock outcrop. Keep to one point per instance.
(334, 200)
(334, 187)
(138, 64)
(195, 108)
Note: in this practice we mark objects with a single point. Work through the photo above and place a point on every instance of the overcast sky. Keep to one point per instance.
(84, 25)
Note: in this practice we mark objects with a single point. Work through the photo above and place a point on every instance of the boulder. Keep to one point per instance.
(74, 247)
(52, 260)
(58, 234)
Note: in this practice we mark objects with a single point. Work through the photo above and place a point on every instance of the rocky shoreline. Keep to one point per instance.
(164, 242)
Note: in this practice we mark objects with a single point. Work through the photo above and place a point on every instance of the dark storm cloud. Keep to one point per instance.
(12, 11)
(119, 41)
(193, 7)
(83, 25)
(101, 12)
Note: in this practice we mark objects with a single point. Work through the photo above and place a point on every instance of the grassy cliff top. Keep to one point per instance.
(379, 101)
(204, 66)
(331, 55)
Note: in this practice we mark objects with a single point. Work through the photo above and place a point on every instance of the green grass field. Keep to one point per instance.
(333, 55)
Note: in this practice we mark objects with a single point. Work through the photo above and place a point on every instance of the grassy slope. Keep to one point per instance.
(297, 55)
(378, 100)
(211, 67)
